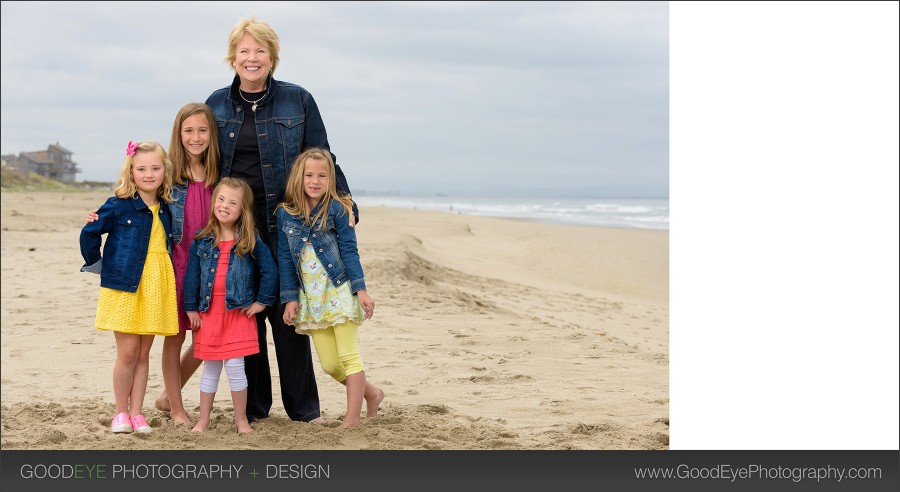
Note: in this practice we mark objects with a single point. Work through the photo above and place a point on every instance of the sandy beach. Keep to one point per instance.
(488, 334)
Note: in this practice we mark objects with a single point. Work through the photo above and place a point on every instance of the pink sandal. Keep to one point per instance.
(140, 424)
(121, 424)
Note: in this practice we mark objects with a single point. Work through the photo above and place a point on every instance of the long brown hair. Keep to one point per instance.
(179, 155)
(246, 229)
(295, 202)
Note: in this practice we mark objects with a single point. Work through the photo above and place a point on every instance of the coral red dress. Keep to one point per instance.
(224, 333)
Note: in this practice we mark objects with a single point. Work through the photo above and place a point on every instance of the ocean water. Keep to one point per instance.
(632, 213)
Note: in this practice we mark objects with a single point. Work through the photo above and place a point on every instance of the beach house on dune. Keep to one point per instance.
(55, 163)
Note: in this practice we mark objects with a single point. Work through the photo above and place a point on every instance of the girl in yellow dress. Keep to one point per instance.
(137, 281)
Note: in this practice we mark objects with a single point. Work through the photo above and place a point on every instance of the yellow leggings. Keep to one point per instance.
(337, 349)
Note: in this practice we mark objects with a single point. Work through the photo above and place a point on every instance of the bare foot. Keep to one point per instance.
(243, 427)
(347, 424)
(182, 419)
(372, 405)
(162, 403)
(200, 427)
(317, 421)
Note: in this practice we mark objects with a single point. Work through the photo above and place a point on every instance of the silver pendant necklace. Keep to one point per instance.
(254, 103)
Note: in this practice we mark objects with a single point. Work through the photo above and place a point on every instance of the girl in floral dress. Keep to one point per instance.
(322, 283)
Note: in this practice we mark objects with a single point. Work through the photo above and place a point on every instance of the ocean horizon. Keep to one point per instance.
(629, 213)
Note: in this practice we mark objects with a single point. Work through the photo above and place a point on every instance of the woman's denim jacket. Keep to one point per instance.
(250, 277)
(335, 247)
(127, 223)
(287, 121)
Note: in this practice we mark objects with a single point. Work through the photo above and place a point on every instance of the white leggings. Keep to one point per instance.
(234, 368)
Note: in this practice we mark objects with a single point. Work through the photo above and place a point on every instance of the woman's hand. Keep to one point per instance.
(290, 312)
(367, 303)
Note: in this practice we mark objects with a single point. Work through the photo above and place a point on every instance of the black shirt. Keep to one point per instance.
(246, 164)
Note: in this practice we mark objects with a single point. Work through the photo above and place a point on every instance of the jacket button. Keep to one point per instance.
(314, 235)
(207, 298)
(209, 285)
(329, 265)
(231, 135)
(129, 221)
(320, 250)
(212, 270)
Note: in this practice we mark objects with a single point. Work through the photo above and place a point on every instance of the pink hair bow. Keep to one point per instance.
(131, 148)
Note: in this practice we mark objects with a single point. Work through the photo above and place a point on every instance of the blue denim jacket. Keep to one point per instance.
(250, 277)
(287, 121)
(127, 223)
(176, 207)
(335, 247)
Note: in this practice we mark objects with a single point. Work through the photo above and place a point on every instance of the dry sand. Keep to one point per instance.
(488, 334)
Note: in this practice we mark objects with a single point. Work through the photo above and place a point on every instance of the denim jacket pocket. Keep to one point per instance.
(290, 131)
(128, 231)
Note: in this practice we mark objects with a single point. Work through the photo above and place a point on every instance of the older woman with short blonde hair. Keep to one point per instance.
(264, 124)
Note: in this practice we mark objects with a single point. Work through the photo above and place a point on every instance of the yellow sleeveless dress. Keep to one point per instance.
(153, 309)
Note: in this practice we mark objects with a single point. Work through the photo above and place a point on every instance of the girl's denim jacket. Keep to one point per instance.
(335, 248)
(127, 223)
(250, 277)
(176, 207)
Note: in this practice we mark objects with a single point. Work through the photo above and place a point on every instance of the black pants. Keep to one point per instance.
(299, 392)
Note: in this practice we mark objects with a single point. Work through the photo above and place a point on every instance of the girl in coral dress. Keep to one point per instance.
(230, 277)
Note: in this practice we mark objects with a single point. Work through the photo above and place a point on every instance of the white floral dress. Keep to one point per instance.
(321, 303)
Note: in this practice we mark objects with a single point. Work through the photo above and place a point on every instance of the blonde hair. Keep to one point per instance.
(295, 202)
(261, 32)
(179, 155)
(246, 228)
(127, 188)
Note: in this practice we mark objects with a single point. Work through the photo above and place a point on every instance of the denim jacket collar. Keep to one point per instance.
(138, 203)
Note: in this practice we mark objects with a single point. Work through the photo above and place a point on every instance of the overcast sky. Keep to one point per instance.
(452, 97)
